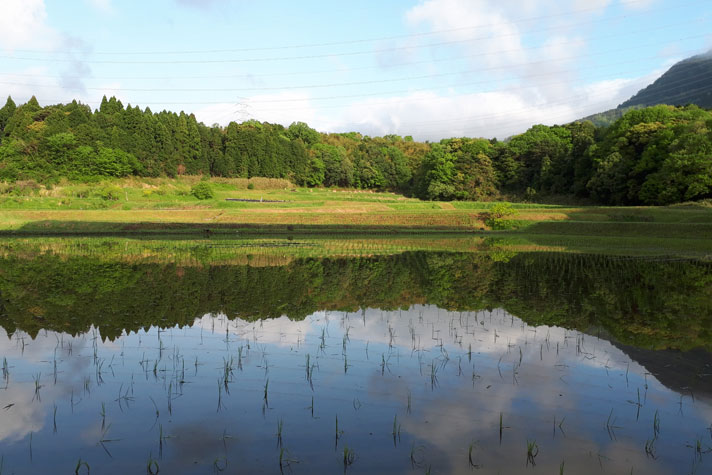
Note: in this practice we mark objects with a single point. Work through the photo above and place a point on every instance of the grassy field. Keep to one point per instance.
(162, 205)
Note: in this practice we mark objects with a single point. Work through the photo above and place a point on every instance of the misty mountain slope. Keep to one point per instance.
(687, 82)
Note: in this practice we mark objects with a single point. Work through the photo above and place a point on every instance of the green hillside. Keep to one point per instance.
(687, 82)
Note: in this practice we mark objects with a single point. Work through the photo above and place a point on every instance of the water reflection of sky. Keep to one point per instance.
(443, 379)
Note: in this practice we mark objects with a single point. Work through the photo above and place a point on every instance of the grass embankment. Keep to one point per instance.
(161, 205)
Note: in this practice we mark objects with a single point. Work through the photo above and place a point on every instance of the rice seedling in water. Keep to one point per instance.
(322, 346)
(349, 457)
(283, 459)
(102, 413)
(227, 372)
(311, 406)
(337, 433)
(656, 425)
(433, 375)
(308, 367)
(152, 467)
(638, 404)
(416, 455)
(265, 393)
(5, 370)
(38, 386)
(699, 449)
(220, 404)
(225, 437)
(470, 457)
(396, 429)
(81, 463)
(161, 438)
(124, 398)
(520, 356)
(610, 426)
(105, 440)
(170, 398)
(561, 468)
(650, 448)
(501, 427)
(532, 452)
(408, 408)
(239, 357)
(220, 464)
(280, 424)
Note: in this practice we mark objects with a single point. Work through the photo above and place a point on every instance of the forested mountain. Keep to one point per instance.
(687, 82)
(656, 155)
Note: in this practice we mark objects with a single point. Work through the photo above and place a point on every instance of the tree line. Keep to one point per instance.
(653, 156)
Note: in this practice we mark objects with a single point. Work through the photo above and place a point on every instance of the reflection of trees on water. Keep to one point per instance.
(653, 304)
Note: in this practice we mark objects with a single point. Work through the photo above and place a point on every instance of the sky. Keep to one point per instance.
(427, 68)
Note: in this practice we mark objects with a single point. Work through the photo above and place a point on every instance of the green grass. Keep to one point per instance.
(484, 205)
(641, 230)
(148, 206)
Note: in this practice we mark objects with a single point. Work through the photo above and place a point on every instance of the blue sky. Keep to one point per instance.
(427, 68)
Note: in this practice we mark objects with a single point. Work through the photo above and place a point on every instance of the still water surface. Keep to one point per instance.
(413, 363)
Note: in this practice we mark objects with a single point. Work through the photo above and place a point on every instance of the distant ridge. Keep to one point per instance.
(686, 82)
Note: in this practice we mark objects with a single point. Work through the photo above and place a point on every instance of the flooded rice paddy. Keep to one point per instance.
(393, 362)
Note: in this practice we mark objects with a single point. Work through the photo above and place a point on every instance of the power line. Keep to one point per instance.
(356, 83)
(704, 76)
(568, 101)
(700, 78)
(367, 40)
(341, 54)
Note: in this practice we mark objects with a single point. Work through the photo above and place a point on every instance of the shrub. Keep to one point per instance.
(21, 188)
(80, 192)
(497, 217)
(202, 191)
(250, 186)
(109, 193)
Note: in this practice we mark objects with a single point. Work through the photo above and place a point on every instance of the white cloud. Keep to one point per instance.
(549, 96)
(55, 89)
(638, 4)
(23, 416)
(23, 24)
(494, 33)
(265, 108)
(535, 74)
(597, 5)
(104, 6)
(503, 113)
(200, 4)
